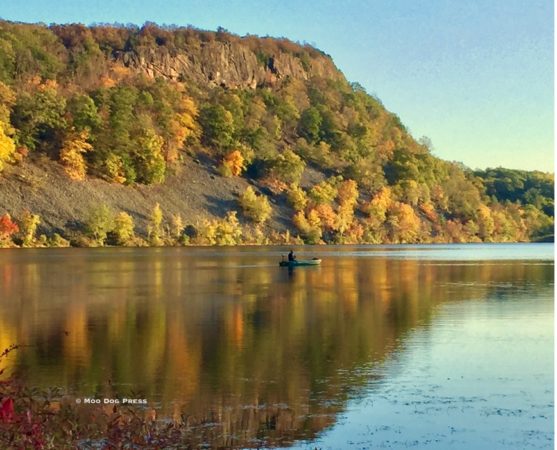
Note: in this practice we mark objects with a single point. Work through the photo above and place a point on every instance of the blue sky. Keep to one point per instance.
(475, 76)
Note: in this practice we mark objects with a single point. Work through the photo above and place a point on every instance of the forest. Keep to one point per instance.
(319, 159)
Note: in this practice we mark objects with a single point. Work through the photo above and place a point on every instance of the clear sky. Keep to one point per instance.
(475, 76)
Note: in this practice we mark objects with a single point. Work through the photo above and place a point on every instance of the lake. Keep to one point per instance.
(428, 347)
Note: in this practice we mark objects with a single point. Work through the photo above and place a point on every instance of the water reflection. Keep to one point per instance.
(248, 353)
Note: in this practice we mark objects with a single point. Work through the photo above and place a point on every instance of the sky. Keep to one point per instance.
(474, 76)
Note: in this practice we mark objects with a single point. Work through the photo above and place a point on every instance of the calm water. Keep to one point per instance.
(428, 347)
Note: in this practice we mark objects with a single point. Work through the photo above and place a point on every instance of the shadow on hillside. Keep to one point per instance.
(219, 207)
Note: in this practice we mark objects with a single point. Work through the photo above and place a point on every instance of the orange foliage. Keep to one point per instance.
(7, 227)
(327, 216)
(348, 193)
(234, 161)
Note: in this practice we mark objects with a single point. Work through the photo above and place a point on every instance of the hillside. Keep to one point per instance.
(236, 139)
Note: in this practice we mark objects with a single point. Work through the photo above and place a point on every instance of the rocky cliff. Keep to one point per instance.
(228, 64)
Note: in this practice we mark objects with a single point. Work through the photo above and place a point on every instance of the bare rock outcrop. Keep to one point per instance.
(228, 64)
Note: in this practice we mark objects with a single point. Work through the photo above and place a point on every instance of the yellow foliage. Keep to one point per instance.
(154, 229)
(123, 228)
(379, 204)
(297, 197)
(225, 231)
(327, 216)
(485, 223)
(71, 154)
(309, 226)
(256, 207)
(7, 146)
(183, 126)
(429, 211)
(323, 192)
(404, 223)
(177, 226)
(28, 228)
(233, 163)
(115, 168)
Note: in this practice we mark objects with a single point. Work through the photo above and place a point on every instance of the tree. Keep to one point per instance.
(150, 164)
(323, 192)
(232, 164)
(38, 115)
(287, 167)
(29, 223)
(71, 155)
(7, 229)
(155, 226)
(225, 231)
(7, 145)
(310, 124)
(123, 228)
(218, 127)
(99, 223)
(309, 226)
(297, 197)
(404, 223)
(177, 229)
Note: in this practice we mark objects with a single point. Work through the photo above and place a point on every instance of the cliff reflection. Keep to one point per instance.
(247, 354)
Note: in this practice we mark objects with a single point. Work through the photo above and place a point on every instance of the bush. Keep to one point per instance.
(232, 164)
(256, 207)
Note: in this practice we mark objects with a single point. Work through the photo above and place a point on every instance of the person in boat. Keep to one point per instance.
(291, 256)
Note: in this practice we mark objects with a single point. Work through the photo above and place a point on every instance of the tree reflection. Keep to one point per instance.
(247, 356)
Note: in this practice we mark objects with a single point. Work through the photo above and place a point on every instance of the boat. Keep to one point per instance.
(300, 262)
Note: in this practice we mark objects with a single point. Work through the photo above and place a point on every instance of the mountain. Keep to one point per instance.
(129, 135)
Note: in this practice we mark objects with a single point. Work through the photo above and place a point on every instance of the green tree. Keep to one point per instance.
(218, 127)
(310, 124)
(99, 222)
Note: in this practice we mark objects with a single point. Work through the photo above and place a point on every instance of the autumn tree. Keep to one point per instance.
(296, 197)
(309, 226)
(7, 229)
(99, 222)
(71, 154)
(256, 207)
(225, 231)
(7, 145)
(154, 228)
(232, 164)
(123, 228)
(404, 223)
(28, 227)
(177, 229)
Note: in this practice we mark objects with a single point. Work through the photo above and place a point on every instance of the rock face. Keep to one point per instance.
(228, 64)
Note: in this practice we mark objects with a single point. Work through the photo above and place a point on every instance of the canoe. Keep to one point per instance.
(300, 262)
